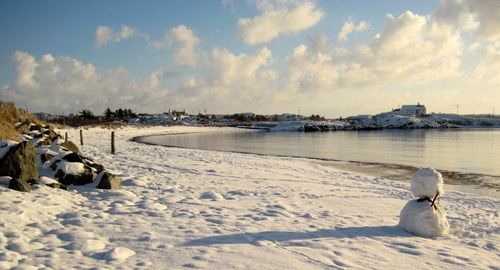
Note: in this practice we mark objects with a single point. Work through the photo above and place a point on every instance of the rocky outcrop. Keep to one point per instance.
(109, 181)
(21, 164)
(60, 162)
(78, 179)
(71, 147)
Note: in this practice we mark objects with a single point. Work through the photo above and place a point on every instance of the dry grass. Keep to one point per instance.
(9, 115)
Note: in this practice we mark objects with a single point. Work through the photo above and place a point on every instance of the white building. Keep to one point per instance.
(414, 109)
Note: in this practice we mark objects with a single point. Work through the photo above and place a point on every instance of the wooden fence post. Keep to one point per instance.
(66, 136)
(112, 142)
(81, 137)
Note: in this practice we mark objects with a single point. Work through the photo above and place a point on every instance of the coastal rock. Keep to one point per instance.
(50, 182)
(35, 127)
(74, 173)
(23, 128)
(71, 146)
(51, 134)
(98, 168)
(109, 181)
(44, 157)
(20, 185)
(58, 186)
(20, 163)
(73, 157)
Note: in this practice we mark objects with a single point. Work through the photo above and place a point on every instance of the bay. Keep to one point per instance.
(465, 156)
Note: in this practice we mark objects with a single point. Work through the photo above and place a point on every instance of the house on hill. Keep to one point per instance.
(417, 110)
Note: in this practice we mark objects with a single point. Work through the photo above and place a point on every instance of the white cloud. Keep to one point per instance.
(488, 14)
(350, 27)
(488, 70)
(25, 66)
(127, 32)
(407, 52)
(185, 45)
(479, 17)
(473, 47)
(64, 84)
(276, 22)
(266, 5)
(105, 34)
(318, 43)
(231, 82)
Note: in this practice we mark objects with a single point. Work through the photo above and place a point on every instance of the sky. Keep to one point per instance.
(328, 57)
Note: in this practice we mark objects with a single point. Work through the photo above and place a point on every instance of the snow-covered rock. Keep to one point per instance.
(72, 168)
(5, 147)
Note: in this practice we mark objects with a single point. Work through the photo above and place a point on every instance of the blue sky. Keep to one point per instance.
(333, 58)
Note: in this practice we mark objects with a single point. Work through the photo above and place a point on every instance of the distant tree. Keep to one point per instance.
(108, 113)
(316, 117)
(260, 118)
(87, 114)
(131, 114)
(119, 113)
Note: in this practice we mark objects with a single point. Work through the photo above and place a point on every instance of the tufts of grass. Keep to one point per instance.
(10, 115)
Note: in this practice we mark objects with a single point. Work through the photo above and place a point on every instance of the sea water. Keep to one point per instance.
(463, 151)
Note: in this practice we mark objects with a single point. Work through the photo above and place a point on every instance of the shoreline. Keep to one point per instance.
(456, 181)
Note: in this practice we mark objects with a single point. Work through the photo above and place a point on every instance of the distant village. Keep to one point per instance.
(407, 116)
(126, 116)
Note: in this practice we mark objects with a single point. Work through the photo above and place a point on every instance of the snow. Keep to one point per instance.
(389, 120)
(118, 253)
(71, 168)
(5, 146)
(423, 217)
(272, 213)
(427, 182)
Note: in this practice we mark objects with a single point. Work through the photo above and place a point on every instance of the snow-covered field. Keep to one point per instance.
(185, 209)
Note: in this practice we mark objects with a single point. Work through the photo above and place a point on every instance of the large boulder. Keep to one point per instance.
(74, 173)
(109, 181)
(73, 157)
(23, 128)
(20, 163)
(51, 134)
(71, 146)
(20, 185)
(98, 168)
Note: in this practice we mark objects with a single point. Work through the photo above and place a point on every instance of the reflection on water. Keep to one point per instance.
(473, 153)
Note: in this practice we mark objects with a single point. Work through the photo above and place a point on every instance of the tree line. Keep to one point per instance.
(109, 114)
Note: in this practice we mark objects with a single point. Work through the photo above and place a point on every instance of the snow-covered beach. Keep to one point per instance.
(186, 208)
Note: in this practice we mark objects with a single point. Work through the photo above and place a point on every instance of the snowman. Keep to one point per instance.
(423, 217)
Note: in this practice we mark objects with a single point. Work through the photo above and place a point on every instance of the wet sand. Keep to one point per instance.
(466, 182)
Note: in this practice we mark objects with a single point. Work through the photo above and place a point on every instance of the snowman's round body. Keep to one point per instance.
(423, 217)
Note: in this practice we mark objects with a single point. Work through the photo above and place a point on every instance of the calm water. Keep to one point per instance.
(467, 151)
